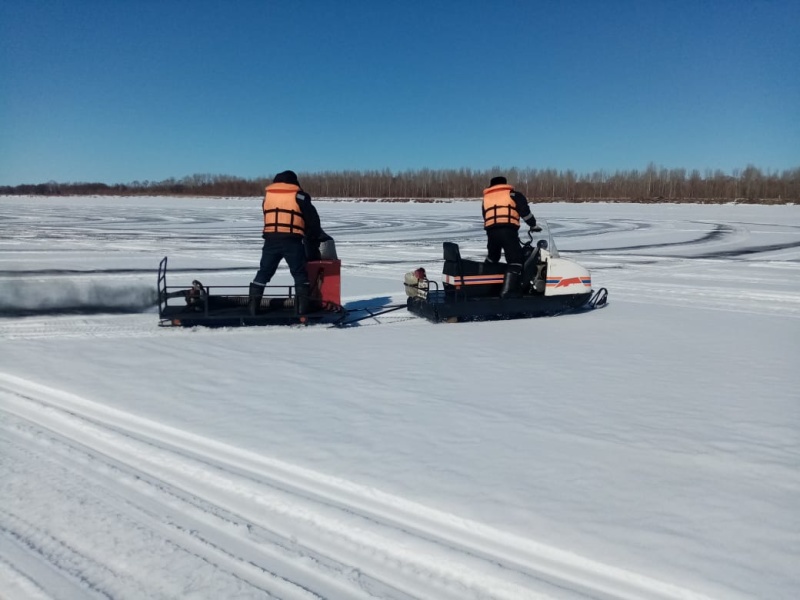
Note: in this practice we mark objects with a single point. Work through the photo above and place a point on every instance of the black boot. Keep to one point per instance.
(511, 282)
(254, 302)
(303, 291)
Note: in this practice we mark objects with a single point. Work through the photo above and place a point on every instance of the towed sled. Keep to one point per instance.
(472, 290)
(228, 306)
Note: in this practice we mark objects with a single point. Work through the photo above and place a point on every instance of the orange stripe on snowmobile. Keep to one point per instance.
(473, 279)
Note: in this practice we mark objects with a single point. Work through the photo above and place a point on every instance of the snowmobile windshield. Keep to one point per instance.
(544, 238)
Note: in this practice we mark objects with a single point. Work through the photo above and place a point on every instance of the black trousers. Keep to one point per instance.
(280, 247)
(505, 239)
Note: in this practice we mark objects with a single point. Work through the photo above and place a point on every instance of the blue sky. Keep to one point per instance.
(117, 91)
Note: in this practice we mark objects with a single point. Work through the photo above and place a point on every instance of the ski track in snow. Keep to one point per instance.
(270, 528)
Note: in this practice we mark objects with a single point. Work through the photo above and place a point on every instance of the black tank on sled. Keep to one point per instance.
(471, 290)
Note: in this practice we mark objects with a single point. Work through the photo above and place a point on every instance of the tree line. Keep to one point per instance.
(652, 184)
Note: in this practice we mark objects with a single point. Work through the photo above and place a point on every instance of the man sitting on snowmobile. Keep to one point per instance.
(503, 207)
(289, 219)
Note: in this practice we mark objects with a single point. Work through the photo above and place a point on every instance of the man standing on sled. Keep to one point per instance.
(289, 219)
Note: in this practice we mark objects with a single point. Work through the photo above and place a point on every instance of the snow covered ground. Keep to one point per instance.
(648, 450)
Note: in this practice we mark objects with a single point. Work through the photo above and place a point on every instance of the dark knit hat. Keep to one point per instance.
(498, 181)
(286, 177)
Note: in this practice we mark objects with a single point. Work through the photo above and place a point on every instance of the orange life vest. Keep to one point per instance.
(281, 210)
(499, 207)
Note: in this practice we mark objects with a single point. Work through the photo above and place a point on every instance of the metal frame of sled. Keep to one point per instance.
(227, 306)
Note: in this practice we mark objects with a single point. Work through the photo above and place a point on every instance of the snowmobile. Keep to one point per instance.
(230, 306)
(471, 290)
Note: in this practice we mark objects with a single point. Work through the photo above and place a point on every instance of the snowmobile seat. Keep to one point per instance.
(469, 277)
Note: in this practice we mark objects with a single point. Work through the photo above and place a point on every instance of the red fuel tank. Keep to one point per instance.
(326, 280)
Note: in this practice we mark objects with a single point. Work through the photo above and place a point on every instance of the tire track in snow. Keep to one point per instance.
(271, 523)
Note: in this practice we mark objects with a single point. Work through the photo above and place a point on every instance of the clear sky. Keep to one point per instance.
(117, 91)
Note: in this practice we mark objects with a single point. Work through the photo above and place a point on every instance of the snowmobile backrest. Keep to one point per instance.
(452, 261)
(451, 252)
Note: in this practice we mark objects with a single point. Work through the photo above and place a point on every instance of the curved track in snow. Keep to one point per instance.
(268, 528)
